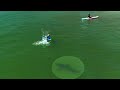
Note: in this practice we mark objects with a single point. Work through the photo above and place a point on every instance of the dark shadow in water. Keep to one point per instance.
(66, 67)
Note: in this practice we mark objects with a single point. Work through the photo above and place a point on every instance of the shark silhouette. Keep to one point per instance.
(67, 67)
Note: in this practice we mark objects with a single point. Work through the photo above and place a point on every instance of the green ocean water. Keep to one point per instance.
(96, 43)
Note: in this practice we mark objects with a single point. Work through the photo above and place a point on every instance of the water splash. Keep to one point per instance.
(43, 42)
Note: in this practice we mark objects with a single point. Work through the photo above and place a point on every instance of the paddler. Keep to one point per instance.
(89, 16)
(48, 37)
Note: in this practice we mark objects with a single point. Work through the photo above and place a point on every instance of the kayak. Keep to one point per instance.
(94, 17)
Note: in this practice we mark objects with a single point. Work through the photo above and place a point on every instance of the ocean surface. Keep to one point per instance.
(96, 43)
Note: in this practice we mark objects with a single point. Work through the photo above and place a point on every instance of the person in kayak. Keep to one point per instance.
(89, 16)
(48, 37)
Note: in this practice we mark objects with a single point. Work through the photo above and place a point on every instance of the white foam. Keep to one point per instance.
(42, 42)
